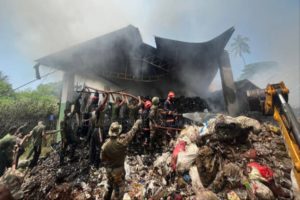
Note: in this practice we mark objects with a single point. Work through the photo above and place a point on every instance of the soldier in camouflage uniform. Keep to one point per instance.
(97, 137)
(68, 137)
(7, 144)
(113, 155)
(37, 134)
(115, 108)
(154, 117)
(134, 107)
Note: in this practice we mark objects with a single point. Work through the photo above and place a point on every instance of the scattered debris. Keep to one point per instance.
(237, 158)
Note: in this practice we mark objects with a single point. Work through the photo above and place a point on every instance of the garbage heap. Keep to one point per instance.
(227, 158)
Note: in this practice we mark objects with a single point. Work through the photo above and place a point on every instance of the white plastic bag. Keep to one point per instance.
(186, 159)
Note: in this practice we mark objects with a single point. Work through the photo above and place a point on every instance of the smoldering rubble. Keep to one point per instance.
(227, 158)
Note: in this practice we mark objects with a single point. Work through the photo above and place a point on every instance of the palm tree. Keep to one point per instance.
(240, 46)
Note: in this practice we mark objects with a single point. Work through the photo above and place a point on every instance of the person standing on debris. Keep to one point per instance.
(19, 147)
(134, 107)
(115, 106)
(113, 155)
(7, 144)
(169, 103)
(37, 133)
(154, 118)
(77, 110)
(11, 147)
(170, 108)
(95, 100)
(123, 115)
(85, 125)
(68, 137)
(85, 97)
(146, 125)
(170, 116)
(97, 137)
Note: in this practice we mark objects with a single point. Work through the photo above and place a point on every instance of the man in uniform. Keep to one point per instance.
(7, 144)
(146, 125)
(97, 137)
(95, 100)
(170, 116)
(113, 155)
(37, 133)
(68, 137)
(115, 108)
(154, 118)
(169, 107)
(134, 107)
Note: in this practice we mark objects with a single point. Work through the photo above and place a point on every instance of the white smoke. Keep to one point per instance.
(44, 27)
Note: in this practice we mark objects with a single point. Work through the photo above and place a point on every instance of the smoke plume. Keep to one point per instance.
(43, 27)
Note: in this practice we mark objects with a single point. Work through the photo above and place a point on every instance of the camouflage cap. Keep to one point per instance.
(115, 129)
(155, 101)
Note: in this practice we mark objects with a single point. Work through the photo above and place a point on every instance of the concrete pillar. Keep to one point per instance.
(66, 96)
(229, 89)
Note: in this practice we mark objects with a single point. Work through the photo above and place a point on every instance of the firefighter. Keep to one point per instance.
(170, 109)
(145, 140)
(113, 154)
(170, 117)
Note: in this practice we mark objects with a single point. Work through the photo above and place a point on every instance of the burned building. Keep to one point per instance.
(121, 60)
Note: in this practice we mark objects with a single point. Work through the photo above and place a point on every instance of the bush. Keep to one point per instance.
(29, 106)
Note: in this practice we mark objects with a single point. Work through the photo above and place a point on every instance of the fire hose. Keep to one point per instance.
(168, 128)
(114, 92)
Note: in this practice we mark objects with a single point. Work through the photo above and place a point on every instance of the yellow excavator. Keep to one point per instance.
(274, 101)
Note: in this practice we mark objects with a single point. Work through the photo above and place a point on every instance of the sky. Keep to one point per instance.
(32, 29)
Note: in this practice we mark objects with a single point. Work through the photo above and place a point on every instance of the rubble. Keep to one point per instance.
(236, 158)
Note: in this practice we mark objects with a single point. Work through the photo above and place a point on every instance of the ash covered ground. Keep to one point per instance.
(227, 158)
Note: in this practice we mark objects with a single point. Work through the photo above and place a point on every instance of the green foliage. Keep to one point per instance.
(53, 89)
(5, 86)
(26, 106)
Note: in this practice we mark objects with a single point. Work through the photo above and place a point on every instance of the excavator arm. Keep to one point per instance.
(274, 101)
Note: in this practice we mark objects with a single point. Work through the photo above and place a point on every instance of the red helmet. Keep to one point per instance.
(148, 104)
(171, 94)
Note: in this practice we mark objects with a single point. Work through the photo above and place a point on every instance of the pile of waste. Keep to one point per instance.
(190, 104)
(226, 158)
(187, 104)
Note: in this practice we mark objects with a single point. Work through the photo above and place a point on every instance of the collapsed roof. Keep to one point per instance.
(122, 55)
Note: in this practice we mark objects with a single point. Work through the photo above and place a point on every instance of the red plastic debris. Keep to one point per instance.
(178, 148)
(264, 171)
